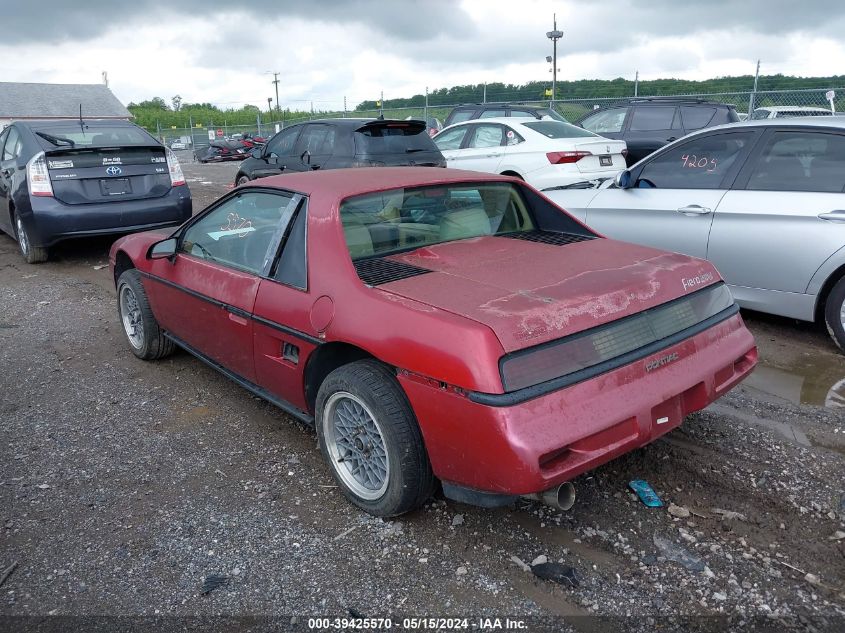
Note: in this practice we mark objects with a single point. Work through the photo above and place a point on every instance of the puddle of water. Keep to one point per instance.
(818, 381)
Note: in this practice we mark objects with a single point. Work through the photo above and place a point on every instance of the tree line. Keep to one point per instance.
(156, 113)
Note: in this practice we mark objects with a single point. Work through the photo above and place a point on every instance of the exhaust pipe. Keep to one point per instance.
(562, 497)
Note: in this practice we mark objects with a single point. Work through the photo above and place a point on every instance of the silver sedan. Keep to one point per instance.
(763, 200)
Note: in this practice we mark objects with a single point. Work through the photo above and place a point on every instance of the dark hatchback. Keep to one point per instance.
(646, 125)
(66, 179)
(338, 143)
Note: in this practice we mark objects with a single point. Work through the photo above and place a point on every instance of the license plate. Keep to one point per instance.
(606, 161)
(115, 186)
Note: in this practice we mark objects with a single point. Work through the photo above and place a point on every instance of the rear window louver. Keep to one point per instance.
(549, 237)
(375, 272)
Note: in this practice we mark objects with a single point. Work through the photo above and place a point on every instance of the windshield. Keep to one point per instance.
(556, 129)
(100, 136)
(403, 219)
(393, 138)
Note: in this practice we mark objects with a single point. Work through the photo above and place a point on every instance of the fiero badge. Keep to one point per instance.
(657, 363)
(699, 280)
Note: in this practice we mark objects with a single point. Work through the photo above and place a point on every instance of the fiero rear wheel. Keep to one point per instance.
(834, 313)
(242, 180)
(142, 331)
(369, 436)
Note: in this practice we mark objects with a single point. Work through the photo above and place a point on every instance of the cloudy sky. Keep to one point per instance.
(210, 50)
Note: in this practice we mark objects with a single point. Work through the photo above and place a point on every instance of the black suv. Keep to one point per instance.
(470, 111)
(648, 124)
(336, 143)
(64, 179)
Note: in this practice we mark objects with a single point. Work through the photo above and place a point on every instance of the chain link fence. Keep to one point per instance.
(759, 104)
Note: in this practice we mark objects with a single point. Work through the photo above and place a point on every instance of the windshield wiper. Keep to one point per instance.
(56, 140)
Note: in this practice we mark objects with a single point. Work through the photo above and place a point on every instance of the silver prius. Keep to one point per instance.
(762, 200)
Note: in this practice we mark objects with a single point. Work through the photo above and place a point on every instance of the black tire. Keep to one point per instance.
(32, 254)
(834, 313)
(152, 344)
(409, 480)
(241, 179)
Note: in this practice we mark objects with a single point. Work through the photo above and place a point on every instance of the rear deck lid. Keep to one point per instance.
(535, 289)
(103, 164)
(397, 143)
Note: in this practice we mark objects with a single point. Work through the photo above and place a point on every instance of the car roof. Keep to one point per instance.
(793, 109)
(342, 183)
(798, 121)
(357, 122)
(497, 106)
(504, 120)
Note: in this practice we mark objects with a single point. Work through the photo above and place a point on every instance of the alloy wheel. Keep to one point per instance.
(356, 445)
(130, 315)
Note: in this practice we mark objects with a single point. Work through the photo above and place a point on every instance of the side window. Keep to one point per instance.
(239, 232)
(283, 143)
(759, 113)
(460, 117)
(292, 268)
(486, 135)
(3, 135)
(492, 114)
(696, 118)
(650, 118)
(606, 121)
(699, 164)
(524, 113)
(317, 140)
(450, 139)
(12, 147)
(512, 137)
(800, 161)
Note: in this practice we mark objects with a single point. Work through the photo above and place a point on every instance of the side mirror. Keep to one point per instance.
(305, 157)
(165, 249)
(623, 180)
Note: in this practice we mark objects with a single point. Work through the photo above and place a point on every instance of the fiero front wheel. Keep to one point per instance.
(369, 436)
(139, 324)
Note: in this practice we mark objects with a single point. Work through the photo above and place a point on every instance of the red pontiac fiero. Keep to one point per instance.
(436, 324)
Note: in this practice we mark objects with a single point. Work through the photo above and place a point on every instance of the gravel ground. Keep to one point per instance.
(126, 485)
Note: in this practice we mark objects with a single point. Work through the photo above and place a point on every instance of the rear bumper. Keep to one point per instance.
(52, 221)
(540, 443)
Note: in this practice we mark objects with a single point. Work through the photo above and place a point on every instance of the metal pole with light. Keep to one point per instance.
(554, 35)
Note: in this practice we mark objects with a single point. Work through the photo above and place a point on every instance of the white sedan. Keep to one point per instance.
(544, 153)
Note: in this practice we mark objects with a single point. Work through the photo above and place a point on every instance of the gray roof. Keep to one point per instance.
(24, 100)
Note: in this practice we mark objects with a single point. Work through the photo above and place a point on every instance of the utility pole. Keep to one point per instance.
(484, 96)
(636, 83)
(425, 109)
(381, 106)
(344, 106)
(554, 35)
(276, 82)
(753, 96)
(270, 107)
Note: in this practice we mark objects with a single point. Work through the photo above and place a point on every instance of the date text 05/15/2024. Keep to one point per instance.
(412, 624)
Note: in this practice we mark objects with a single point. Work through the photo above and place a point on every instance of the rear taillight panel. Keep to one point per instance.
(38, 177)
(175, 169)
(563, 158)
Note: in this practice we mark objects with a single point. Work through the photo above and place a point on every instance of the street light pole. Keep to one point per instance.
(554, 35)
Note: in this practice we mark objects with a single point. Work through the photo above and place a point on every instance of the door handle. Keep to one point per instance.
(494, 155)
(671, 138)
(694, 209)
(837, 215)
